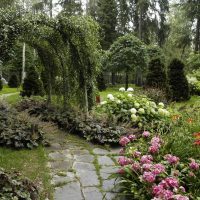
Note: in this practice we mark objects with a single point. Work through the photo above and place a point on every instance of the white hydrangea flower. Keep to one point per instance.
(141, 111)
(134, 117)
(130, 89)
(137, 105)
(118, 101)
(133, 110)
(122, 89)
(153, 111)
(111, 97)
(130, 95)
(161, 105)
(103, 102)
(161, 111)
(153, 104)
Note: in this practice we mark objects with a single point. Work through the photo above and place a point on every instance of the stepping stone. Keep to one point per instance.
(80, 152)
(55, 146)
(61, 179)
(88, 178)
(109, 185)
(100, 151)
(78, 166)
(84, 158)
(71, 191)
(106, 171)
(57, 156)
(105, 160)
(92, 193)
(61, 165)
(112, 196)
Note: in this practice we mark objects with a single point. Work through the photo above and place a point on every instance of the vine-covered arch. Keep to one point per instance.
(67, 45)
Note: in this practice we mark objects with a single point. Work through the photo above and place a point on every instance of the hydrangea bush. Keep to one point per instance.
(146, 173)
(128, 107)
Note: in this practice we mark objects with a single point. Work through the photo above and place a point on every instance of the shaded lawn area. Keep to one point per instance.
(31, 164)
(7, 90)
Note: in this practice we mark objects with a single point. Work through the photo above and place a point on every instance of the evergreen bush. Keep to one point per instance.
(32, 84)
(101, 82)
(178, 85)
(156, 76)
(13, 81)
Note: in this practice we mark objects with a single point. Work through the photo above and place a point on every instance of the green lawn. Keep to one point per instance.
(31, 164)
(7, 90)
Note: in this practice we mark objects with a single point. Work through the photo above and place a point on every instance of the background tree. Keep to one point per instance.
(126, 54)
(156, 76)
(178, 84)
(1, 84)
(13, 81)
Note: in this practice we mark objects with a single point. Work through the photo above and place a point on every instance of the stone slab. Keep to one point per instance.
(71, 191)
(92, 193)
(84, 158)
(78, 166)
(105, 160)
(61, 165)
(100, 151)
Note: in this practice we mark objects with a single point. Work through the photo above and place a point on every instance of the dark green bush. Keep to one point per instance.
(13, 186)
(177, 82)
(13, 81)
(16, 133)
(32, 84)
(101, 82)
(156, 76)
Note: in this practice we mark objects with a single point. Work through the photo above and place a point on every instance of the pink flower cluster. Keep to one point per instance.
(193, 165)
(124, 161)
(171, 159)
(146, 134)
(124, 141)
(155, 145)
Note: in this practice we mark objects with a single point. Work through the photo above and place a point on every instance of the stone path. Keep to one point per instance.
(80, 170)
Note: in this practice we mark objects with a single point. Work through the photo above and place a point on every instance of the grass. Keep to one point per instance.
(7, 90)
(31, 164)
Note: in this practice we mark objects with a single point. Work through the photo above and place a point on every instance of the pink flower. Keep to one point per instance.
(157, 190)
(193, 165)
(154, 149)
(155, 140)
(149, 177)
(171, 159)
(180, 197)
(146, 134)
(191, 174)
(158, 169)
(136, 166)
(167, 195)
(146, 159)
(121, 152)
(172, 182)
(124, 141)
(137, 154)
(182, 189)
(132, 137)
(147, 167)
(121, 171)
(124, 161)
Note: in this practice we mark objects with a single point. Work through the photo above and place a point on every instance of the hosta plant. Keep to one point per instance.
(138, 110)
(148, 174)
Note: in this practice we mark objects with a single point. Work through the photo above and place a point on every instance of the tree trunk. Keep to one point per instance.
(51, 8)
(140, 23)
(197, 38)
(126, 81)
(23, 62)
(86, 101)
(113, 78)
(49, 87)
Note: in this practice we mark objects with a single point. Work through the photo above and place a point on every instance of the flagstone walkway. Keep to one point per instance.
(81, 170)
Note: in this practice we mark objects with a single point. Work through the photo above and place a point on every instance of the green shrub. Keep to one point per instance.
(16, 133)
(178, 85)
(156, 76)
(101, 82)
(32, 84)
(194, 85)
(13, 81)
(13, 186)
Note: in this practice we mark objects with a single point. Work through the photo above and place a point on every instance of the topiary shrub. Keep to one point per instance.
(13, 81)
(1, 84)
(156, 76)
(32, 84)
(101, 82)
(178, 85)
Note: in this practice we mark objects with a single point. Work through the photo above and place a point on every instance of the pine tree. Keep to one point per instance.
(178, 84)
(107, 18)
(156, 76)
(13, 81)
(32, 84)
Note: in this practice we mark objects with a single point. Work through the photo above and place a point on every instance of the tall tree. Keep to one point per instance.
(71, 7)
(107, 18)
